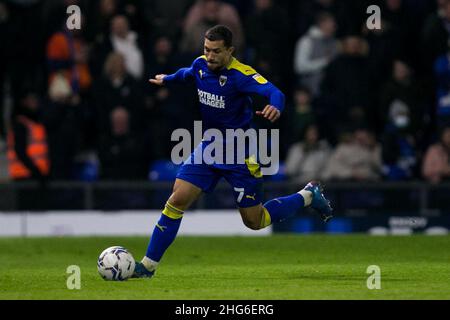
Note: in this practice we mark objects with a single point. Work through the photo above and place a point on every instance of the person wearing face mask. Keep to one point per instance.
(403, 86)
(399, 145)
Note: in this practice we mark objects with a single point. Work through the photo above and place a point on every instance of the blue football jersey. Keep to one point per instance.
(224, 95)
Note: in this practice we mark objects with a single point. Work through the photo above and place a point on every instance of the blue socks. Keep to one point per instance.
(165, 232)
(284, 207)
(167, 227)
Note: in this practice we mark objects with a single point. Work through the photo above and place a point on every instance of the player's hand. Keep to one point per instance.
(270, 113)
(158, 80)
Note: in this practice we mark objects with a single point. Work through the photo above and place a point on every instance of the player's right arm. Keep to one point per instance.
(182, 75)
(158, 79)
(253, 82)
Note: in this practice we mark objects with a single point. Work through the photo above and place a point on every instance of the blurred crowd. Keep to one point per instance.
(362, 104)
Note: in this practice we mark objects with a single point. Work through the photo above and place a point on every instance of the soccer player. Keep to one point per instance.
(224, 85)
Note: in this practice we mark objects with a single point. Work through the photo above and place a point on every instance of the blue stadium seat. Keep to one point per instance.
(339, 225)
(163, 170)
(86, 171)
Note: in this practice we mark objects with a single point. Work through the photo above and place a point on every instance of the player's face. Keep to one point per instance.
(217, 54)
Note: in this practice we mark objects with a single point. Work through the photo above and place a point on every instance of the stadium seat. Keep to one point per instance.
(86, 171)
(163, 170)
(339, 225)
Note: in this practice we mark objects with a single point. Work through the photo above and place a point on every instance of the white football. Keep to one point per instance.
(115, 263)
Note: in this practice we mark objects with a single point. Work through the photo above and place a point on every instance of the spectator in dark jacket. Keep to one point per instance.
(399, 145)
(345, 87)
(302, 114)
(121, 152)
(403, 88)
(273, 19)
(117, 88)
(442, 74)
(435, 35)
(62, 116)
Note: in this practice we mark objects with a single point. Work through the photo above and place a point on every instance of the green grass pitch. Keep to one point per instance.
(287, 267)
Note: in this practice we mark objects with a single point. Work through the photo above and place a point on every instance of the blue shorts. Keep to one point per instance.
(246, 179)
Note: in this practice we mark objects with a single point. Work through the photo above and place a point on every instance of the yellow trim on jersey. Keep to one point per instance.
(202, 56)
(172, 212)
(246, 70)
(253, 167)
(266, 220)
(243, 68)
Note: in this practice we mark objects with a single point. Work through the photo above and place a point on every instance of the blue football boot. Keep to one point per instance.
(141, 272)
(319, 202)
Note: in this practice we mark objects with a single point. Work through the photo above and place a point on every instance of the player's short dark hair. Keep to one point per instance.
(218, 33)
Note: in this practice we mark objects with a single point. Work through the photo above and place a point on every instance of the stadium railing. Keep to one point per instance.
(348, 198)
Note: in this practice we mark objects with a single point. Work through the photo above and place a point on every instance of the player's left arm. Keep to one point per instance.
(256, 83)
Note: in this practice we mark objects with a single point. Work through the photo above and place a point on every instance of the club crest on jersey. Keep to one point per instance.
(222, 80)
(200, 72)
